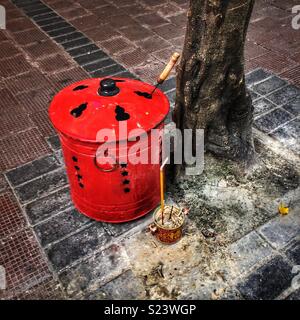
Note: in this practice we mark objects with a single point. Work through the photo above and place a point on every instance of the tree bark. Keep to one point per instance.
(211, 90)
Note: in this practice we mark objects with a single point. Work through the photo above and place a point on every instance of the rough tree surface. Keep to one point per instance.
(211, 91)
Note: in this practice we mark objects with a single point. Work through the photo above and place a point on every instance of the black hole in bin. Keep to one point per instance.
(81, 87)
(77, 168)
(124, 173)
(126, 190)
(126, 181)
(74, 159)
(123, 165)
(79, 177)
(121, 115)
(81, 185)
(144, 94)
(77, 112)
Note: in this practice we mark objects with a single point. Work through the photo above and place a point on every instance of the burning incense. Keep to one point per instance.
(162, 198)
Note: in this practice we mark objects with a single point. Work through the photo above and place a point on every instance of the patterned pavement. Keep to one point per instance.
(49, 44)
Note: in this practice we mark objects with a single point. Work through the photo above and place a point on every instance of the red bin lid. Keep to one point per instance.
(83, 108)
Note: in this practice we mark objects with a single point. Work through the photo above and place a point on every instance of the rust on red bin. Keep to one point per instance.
(116, 191)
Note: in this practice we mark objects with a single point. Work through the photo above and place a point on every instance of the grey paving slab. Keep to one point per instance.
(262, 105)
(294, 296)
(269, 85)
(249, 251)
(125, 287)
(288, 134)
(268, 281)
(284, 95)
(91, 274)
(272, 120)
(293, 106)
(293, 251)
(281, 230)
(43, 208)
(54, 143)
(32, 170)
(77, 246)
(41, 186)
(60, 225)
(256, 76)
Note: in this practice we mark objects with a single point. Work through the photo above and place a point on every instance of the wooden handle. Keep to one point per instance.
(164, 75)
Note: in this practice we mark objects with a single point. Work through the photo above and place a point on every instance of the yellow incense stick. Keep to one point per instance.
(162, 197)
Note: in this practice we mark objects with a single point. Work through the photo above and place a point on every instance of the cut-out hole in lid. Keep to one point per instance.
(77, 112)
(81, 87)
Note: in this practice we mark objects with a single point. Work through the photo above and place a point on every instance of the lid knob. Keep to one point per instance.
(108, 87)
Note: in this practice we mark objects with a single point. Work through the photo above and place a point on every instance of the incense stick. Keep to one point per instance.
(162, 199)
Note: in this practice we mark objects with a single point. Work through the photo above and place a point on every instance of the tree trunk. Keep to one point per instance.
(211, 90)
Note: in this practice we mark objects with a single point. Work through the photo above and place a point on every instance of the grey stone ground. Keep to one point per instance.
(251, 256)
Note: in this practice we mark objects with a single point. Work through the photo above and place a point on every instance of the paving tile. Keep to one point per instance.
(60, 225)
(28, 81)
(13, 123)
(42, 49)
(152, 44)
(120, 21)
(44, 17)
(36, 100)
(43, 208)
(102, 33)
(287, 134)
(23, 261)
(109, 71)
(42, 121)
(69, 37)
(19, 24)
(8, 50)
(293, 106)
(13, 66)
(28, 37)
(254, 95)
(86, 22)
(256, 76)
(21, 148)
(41, 186)
(32, 170)
(11, 217)
(117, 45)
(168, 9)
(74, 13)
(77, 246)
(60, 32)
(171, 96)
(284, 95)
(49, 289)
(37, 12)
(90, 58)
(3, 183)
(125, 287)
(54, 143)
(54, 63)
(249, 251)
(70, 45)
(272, 120)
(169, 31)
(135, 9)
(83, 50)
(52, 20)
(116, 230)
(292, 75)
(89, 275)
(281, 230)
(262, 105)
(293, 252)
(151, 20)
(253, 50)
(56, 26)
(132, 58)
(136, 32)
(99, 65)
(269, 85)
(268, 281)
(109, 10)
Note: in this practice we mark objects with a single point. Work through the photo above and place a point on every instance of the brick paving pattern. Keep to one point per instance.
(44, 241)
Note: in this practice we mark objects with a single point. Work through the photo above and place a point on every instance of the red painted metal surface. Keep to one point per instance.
(109, 192)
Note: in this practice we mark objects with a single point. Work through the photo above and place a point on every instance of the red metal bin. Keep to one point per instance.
(110, 192)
